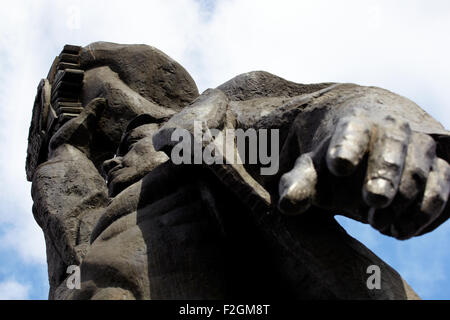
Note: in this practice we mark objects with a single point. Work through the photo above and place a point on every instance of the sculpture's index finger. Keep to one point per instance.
(297, 187)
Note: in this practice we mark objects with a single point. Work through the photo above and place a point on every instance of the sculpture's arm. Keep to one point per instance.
(68, 189)
(69, 196)
(318, 257)
(368, 154)
(360, 151)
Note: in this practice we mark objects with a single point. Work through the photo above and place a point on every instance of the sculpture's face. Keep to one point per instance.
(136, 157)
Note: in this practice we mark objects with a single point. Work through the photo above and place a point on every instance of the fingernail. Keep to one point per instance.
(378, 192)
(341, 162)
(295, 196)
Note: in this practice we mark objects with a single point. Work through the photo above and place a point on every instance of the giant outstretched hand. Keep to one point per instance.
(363, 152)
(376, 171)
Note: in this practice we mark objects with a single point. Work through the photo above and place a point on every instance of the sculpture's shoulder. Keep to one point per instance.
(262, 84)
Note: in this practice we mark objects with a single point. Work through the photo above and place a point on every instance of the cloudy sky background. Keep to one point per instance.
(399, 45)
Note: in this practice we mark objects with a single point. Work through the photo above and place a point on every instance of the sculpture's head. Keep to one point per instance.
(135, 156)
(143, 88)
(134, 80)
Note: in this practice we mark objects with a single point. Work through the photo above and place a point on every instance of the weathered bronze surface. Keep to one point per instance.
(109, 199)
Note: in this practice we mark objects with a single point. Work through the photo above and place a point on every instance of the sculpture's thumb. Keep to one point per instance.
(78, 131)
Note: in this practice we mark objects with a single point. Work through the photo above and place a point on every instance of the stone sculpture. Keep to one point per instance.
(110, 200)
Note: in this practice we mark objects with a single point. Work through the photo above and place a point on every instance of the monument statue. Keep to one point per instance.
(111, 200)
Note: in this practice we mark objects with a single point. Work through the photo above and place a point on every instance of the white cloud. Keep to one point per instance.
(13, 290)
(399, 45)
(26, 239)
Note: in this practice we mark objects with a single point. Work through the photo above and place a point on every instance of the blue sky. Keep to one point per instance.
(398, 45)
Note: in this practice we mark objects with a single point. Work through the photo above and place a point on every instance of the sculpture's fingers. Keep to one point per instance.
(348, 145)
(436, 194)
(95, 106)
(297, 187)
(419, 159)
(386, 161)
(77, 131)
(420, 215)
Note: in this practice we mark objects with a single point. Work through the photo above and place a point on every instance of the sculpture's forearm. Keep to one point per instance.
(318, 112)
(69, 196)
